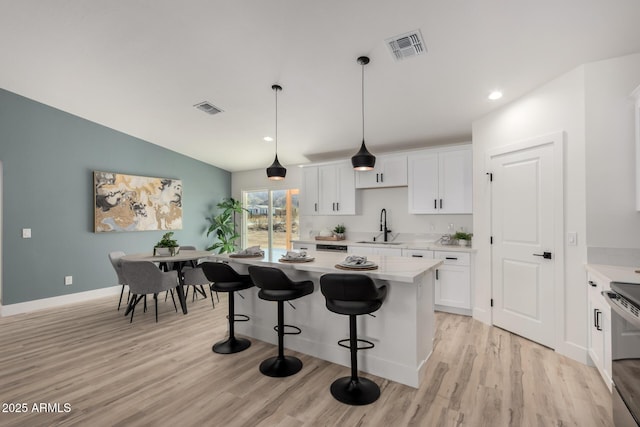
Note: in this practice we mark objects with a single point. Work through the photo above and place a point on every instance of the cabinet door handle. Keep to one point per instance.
(437, 276)
(435, 203)
(596, 319)
(381, 177)
(417, 256)
(315, 207)
(592, 283)
(333, 206)
(377, 176)
(440, 203)
(450, 257)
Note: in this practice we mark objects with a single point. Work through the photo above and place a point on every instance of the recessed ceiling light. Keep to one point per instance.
(496, 94)
(268, 138)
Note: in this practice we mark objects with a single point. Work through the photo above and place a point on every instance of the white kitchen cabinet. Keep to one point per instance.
(636, 112)
(452, 292)
(390, 171)
(599, 316)
(297, 246)
(373, 250)
(309, 191)
(418, 253)
(440, 181)
(328, 190)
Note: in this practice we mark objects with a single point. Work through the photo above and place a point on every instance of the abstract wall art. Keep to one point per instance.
(136, 203)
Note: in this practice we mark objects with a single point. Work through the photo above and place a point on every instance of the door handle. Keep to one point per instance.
(592, 283)
(545, 255)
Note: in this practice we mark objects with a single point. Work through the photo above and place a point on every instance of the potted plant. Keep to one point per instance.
(463, 238)
(224, 225)
(166, 246)
(339, 230)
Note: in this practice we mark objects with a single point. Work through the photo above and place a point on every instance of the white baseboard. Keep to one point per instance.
(41, 304)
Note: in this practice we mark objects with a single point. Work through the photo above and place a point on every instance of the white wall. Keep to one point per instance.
(612, 220)
(556, 106)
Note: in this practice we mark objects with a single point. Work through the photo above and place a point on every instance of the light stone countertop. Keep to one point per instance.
(614, 273)
(416, 244)
(391, 268)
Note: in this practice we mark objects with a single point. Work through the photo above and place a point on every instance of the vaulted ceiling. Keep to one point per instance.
(139, 66)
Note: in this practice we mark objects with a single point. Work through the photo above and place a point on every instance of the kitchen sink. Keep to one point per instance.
(370, 242)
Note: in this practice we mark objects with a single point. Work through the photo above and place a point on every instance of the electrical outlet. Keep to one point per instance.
(572, 239)
(68, 280)
(26, 233)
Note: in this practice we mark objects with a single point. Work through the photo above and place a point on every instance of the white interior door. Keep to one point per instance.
(524, 221)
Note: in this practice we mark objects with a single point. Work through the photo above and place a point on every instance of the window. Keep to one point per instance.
(271, 219)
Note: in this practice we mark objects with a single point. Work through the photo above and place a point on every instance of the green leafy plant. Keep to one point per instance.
(167, 241)
(339, 229)
(224, 226)
(461, 235)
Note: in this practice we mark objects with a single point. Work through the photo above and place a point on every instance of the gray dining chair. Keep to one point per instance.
(144, 277)
(194, 277)
(116, 262)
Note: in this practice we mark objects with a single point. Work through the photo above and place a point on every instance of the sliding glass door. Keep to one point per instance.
(271, 220)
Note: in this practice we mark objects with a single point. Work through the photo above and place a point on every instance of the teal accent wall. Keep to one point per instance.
(48, 158)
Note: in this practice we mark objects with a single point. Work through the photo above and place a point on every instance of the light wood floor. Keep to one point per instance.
(115, 373)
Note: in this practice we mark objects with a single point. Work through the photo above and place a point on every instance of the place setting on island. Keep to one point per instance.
(250, 252)
(296, 256)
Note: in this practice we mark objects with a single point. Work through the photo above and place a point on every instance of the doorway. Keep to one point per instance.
(527, 230)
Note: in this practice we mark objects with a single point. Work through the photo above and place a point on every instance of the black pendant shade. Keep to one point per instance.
(276, 171)
(363, 160)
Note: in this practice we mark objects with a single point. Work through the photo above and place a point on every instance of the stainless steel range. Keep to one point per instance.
(624, 299)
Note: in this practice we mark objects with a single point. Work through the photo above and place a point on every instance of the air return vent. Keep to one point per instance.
(208, 108)
(406, 45)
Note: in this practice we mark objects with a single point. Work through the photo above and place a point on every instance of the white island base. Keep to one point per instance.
(402, 329)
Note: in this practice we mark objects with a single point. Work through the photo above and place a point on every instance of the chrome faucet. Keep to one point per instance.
(383, 225)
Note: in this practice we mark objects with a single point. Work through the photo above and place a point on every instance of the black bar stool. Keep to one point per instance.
(223, 278)
(276, 286)
(353, 295)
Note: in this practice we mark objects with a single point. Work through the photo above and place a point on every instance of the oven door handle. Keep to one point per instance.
(609, 296)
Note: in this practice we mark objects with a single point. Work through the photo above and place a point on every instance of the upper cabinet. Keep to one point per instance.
(440, 181)
(390, 171)
(328, 190)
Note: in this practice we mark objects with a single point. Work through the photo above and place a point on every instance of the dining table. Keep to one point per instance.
(178, 260)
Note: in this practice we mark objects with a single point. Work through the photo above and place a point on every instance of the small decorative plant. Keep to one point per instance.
(463, 238)
(168, 243)
(339, 229)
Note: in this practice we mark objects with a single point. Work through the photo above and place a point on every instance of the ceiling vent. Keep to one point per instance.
(406, 45)
(208, 108)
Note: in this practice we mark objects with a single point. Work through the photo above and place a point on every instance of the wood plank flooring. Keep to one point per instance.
(113, 373)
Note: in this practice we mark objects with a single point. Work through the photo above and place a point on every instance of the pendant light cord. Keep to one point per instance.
(363, 101)
(276, 121)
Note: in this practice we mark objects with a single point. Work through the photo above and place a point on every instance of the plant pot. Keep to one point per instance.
(157, 251)
(463, 242)
(340, 236)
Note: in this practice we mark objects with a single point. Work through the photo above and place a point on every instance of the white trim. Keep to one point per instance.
(556, 140)
(42, 304)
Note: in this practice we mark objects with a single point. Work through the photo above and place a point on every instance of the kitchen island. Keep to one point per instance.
(402, 330)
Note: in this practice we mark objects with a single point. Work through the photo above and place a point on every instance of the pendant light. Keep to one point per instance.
(363, 160)
(276, 171)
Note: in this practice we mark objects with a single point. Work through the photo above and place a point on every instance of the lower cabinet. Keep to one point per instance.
(452, 292)
(599, 336)
(369, 250)
(297, 246)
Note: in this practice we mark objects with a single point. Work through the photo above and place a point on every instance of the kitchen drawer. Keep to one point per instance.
(417, 253)
(453, 258)
(597, 284)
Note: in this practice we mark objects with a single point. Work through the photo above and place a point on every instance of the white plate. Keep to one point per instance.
(305, 259)
(366, 264)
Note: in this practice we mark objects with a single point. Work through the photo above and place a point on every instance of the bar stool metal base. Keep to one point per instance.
(360, 391)
(231, 345)
(280, 366)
